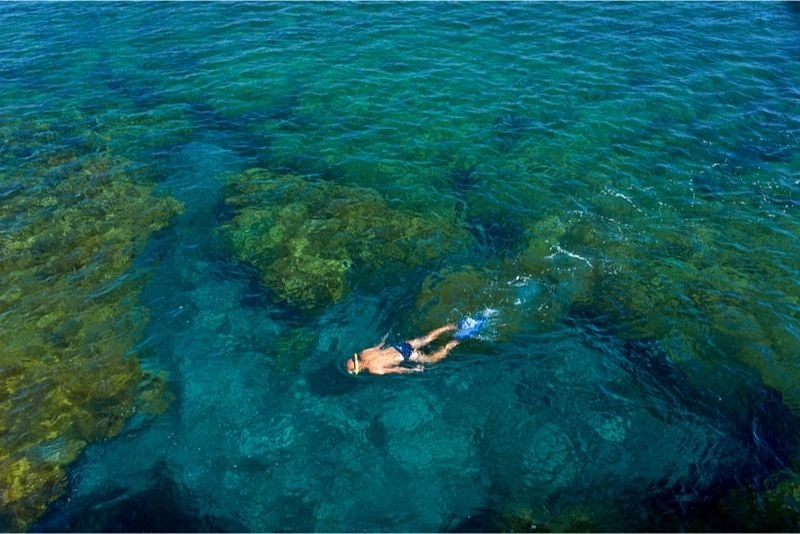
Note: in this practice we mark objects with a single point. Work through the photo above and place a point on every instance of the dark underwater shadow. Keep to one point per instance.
(331, 380)
(235, 133)
(162, 506)
(752, 422)
(483, 520)
(794, 11)
(496, 235)
(757, 421)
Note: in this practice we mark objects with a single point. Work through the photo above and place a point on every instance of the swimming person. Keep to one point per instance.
(382, 359)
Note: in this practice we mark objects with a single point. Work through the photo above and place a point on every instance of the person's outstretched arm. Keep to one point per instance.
(405, 370)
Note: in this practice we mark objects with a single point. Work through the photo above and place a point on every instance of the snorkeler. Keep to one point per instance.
(382, 359)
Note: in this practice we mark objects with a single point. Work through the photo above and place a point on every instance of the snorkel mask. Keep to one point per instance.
(356, 364)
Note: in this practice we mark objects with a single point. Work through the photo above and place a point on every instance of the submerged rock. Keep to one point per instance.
(708, 302)
(589, 517)
(715, 285)
(774, 509)
(306, 237)
(69, 317)
(293, 346)
(533, 288)
(446, 295)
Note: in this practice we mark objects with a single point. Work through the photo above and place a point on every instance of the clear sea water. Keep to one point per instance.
(628, 179)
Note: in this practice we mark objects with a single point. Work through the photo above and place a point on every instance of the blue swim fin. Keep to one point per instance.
(469, 327)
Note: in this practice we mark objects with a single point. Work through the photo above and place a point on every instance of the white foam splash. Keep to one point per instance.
(623, 196)
(559, 250)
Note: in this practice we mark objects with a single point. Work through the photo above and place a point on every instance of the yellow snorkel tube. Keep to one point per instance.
(356, 364)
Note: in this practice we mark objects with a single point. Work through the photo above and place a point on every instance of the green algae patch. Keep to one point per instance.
(293, 346)
(446, 294)
(585, 517)
(714, 289)
(531, 290)
(69, 317)
(307, 237)
(132, 134)
(708, 302)
(774, 509)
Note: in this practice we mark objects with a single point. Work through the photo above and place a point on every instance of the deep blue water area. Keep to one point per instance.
(619, 181)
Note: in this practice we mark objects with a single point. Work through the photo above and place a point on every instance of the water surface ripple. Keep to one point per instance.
(619, 180)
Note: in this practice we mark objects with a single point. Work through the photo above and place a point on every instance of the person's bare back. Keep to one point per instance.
(388, 359)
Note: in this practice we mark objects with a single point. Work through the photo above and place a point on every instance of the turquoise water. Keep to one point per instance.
(620, 181)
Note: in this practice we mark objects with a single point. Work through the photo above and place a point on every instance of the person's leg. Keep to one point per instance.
(430, 336)
(434, 357)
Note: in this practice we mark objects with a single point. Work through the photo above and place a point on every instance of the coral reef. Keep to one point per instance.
(533, 288)
(701, 256)
(69, 317)
(293, 346)
(711, 287)
(144, 134)
(776, 509)
(306, 237)
(446, 292)
(715, 304)
(589, 517)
